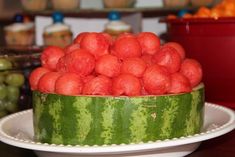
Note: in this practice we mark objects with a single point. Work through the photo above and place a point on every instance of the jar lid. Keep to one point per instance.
(114, 15)
(58, 17)
(18, 18)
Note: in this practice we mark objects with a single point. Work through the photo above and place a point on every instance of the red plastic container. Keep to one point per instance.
(212, 43)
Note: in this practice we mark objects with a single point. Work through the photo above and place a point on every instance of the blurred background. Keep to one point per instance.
(143, 15)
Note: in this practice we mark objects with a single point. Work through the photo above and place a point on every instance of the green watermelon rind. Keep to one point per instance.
(106, 120)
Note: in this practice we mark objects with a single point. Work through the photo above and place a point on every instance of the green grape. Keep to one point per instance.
(13, 93)
(15, 79)
(3, 91)
(2, 105)
(11, 106)
(2, 78)
(5, 64)
(3, 113)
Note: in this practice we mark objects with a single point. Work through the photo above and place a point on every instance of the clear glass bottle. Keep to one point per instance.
(116, 26)
(20, 33)
(58, 33)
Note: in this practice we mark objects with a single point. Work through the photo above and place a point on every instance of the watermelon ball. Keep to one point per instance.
(46, 84)
(79, 37)
(134, 66)
(100, 85)
(61, 66)
(87, 78)
(178, 48)
(50, 57)
(126, 84)
(125, 35)
(149, 42)
(156, 80)
(35, 76)
(143, 90)
(108, 65)
(80, 62)
(108, 37)
(179, 84)
(168, 57)
(96, 43)
(192, 69)
(148, 59)
(69, 84)
(126, 46)
(71, 48)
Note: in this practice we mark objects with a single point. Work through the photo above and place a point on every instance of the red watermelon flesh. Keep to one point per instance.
(192, 70)
(126, 84)
(168, 57)
(108, 65)
(35, 76)
(80, 62)
(96, 43)
(79, 37)
(50, 56)
(179, 84)
(69, 84)
(150, 42)
(156, 80)
(134, 66)
(126, 46)
(100, 85)
(46, 83)
(178, 48)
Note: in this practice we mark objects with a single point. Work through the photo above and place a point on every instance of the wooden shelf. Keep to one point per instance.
(101, 13)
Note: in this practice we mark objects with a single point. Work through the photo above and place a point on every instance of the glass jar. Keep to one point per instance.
(176, 3)
(15, 67)
(58, 33)
(65, 5)
(34, 5)
(119, 3)
(116, 25)
(202, 2)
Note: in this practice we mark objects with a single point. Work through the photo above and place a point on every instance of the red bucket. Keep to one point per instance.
(212, 43)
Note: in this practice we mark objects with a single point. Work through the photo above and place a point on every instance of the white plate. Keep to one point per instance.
(17, 130)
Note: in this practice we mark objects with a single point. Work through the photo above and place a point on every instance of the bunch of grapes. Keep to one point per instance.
(11, 83)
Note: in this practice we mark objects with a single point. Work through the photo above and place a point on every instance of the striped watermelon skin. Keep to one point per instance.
(91, 120)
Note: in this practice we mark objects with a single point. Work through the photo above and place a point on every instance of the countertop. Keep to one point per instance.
(222, 146)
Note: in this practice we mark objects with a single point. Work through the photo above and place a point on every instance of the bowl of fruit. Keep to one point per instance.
(103, 91)
(209, 36)
(15, 64)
